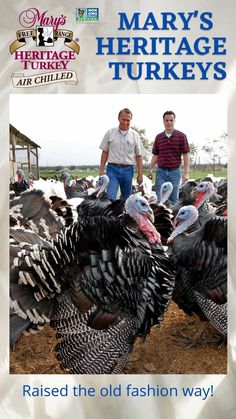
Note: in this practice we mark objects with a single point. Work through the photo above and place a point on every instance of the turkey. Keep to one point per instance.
(36, 220)
(35, 208)
(63, 209)
(67, 207)
(32, 210)
(165, 192)
(145, 188)
(31, 179)
(98, 203)
(163, 215)
(204, 193)
(207, 196)
(91, 207)
(49, 187)
(101, 205)
(102, 281)
(200, 257)
(187, 195)
(101, 187)
(197, 194)
(221, 204)
(20, 185)
(78, 188)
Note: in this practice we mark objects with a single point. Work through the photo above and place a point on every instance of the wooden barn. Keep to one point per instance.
(23, 154)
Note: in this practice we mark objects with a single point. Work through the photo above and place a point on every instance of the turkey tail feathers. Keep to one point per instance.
(215, 313)
(84, 350)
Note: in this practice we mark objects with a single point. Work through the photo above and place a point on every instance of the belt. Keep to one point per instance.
(168, 168)
(120, 165)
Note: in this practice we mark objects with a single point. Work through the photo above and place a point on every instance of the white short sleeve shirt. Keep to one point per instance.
(122, 146)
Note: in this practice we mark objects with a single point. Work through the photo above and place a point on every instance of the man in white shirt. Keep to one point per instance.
(121, 149)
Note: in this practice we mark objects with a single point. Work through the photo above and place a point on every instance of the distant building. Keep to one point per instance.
(23, 154)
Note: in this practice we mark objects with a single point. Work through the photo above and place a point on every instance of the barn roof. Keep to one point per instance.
(21, 139)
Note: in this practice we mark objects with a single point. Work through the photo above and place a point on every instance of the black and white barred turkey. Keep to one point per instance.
(82, 188)
(102, 281)
(200, 256)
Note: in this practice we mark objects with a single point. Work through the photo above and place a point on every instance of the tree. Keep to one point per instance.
(147, 145)
(193, 153)
(216, 150)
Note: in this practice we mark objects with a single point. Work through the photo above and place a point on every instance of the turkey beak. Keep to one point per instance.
(193, 193)
(175, 222)
(150, 215)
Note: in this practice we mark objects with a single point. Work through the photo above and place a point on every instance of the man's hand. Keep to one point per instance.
(139, 179)
(149, 174)
(185, 177)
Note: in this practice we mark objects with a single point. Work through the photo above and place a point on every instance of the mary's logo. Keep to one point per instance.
(44, 37)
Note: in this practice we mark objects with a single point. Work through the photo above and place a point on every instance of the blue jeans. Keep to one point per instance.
(167, 175)
(119, 176)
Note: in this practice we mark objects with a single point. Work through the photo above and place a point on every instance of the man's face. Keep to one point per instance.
(124, 120)
(169, 122)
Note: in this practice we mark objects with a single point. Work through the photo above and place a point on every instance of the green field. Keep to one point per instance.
(84, 173)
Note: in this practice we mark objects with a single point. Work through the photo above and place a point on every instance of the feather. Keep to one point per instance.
(106, 284)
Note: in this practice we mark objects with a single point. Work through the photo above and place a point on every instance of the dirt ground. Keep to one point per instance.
(163, 352)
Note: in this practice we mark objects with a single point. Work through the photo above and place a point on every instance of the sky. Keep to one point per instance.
(69, 128)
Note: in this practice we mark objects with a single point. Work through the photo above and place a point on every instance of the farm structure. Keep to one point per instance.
(23, 154)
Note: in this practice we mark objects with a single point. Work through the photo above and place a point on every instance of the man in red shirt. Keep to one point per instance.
(167, 151)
